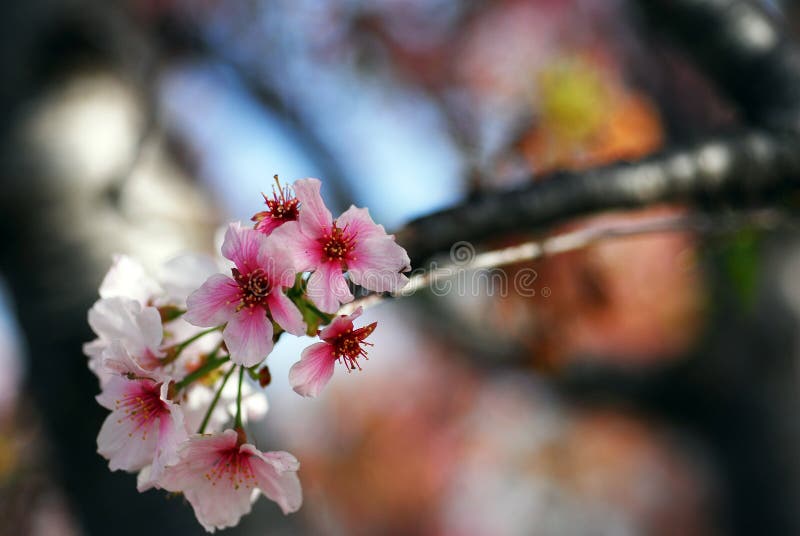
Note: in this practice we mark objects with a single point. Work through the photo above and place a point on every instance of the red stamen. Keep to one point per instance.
(233, 468)
(349, 346)
(338, 244)
(254, 288)
(142, 407)
(282, 207)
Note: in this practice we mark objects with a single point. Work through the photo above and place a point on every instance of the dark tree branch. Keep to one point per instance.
(745, 168)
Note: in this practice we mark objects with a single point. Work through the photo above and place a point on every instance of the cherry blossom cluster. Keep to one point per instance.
(167, 346)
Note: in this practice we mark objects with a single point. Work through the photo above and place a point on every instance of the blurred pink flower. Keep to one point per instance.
(340, 343)
(144, 427)
(127, 321)
(218, 474)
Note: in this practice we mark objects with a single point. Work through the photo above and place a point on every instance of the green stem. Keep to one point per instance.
(211, 364)
(215, 400)
(238, 422)
(176, 350)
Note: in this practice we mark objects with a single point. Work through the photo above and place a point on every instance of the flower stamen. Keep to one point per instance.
(254, 288)
(349, 346)
(282, 207)
(338, 245)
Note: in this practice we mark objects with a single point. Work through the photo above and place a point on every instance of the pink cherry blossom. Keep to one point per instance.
(218, 475)
(281, 208)
(128, 278)
(127, 311)
(125, 320)
(144, 428)
(340, 343)
(261, 273)
(177, 278)
(352, 243)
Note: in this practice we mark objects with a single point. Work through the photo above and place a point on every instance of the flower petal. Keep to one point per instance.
(276, 475)
(116, 359)
(268, 224)
(286, 313)
(217, 503)
(339, 325)
(139, 328)
(181, 275)
(241, 246)
(304, 252)
(314, 370)
(128, 278)
(279, 266)
(378, 264)
(359, 224)
(315, 218)
(327, 288)
(213, 303)
(128, 439)
(171, 435)
(248, 336)
(219, 479)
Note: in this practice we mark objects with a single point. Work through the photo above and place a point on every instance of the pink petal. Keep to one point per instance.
(221, 491)
(139, 328)
(276, 474)
(286, 313)
(217, 507)
(248, 336)
(339, 325)
(128, 278)
(182, 275)
(217, 503)
(314, 370)
(279, 266)
(128, 440)
(113, 390)
(315, 218)
(116, 359)
(304, 252)
(327, 288)
(213, 303)
(241, 246)
(119, 443)
(359, 223)
(378, 264)
(171, 435)
(268, 224)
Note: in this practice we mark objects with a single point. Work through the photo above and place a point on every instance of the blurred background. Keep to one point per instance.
(648, 385)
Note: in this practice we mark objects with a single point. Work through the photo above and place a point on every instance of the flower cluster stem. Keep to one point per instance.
(175, 351)
(212, 363)
(213, 404)
(238, 422)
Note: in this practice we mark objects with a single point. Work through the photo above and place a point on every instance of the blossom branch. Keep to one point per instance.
(581, 238)
(737, 170)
